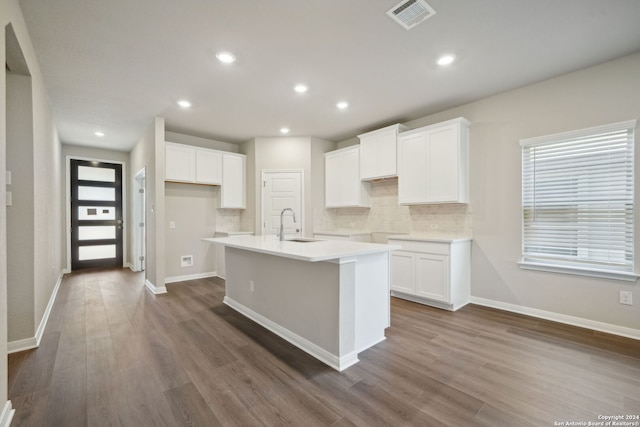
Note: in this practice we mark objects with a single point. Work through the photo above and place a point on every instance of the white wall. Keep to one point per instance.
(35, 251)
(6, 13)
(318, 148)
(148, 153)
(192, 208)
(248, 220)
(48, 257)
(286, 153)
(21, 214)
(47, 218)
(606, 93)
(180, 138)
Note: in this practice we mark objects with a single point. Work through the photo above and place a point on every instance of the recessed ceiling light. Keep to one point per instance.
(225, 57)
(446, 60)
(184, 103)
(98, 133)
(301, 88)
(342, 105)
(284, 130)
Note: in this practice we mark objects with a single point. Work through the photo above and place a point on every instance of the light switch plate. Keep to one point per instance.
(8, 178)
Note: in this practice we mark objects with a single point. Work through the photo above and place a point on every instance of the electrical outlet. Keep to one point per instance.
(251, 285)
(172, 224)
(626, 297)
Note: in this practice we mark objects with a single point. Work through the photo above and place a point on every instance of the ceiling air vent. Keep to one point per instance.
(410, 13)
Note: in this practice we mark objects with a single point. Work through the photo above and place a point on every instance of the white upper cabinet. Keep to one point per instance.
(185, 163)
(378, 148)
(208, 166)
(343, 187)
(433, 163)
(180, 164)
(233, 194)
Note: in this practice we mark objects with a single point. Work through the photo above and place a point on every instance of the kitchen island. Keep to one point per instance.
(329, 298)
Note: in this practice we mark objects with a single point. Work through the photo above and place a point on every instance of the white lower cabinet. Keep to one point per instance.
(433, 273)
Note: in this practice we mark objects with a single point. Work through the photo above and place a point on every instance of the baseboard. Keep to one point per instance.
(7, 414)
(426, 301)
(560, 318)
(130, 267)
(190, 277)
(337, 363)
(34, 342)
(22, 345)
(47, 311)
(155, 289)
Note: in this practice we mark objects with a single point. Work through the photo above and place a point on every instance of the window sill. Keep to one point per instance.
(590, 272)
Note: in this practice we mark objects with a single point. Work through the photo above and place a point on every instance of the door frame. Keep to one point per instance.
(125, 213)
(301, 215)
(138, 238)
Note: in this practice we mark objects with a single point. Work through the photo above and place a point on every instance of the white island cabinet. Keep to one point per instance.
(432, 271)
(220, 259)
(329, 298)
(433, 164)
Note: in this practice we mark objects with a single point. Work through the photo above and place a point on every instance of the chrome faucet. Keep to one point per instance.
(282, 225)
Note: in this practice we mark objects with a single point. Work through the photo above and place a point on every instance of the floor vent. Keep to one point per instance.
(410, 13)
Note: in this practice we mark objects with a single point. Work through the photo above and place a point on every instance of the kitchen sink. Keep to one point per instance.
(302, 240)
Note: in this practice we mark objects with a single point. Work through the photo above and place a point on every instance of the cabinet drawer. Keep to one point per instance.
(425, 247)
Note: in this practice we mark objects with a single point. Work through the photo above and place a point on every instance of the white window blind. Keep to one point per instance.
(577, 199)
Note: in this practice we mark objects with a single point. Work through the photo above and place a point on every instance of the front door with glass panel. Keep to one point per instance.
(96, 214)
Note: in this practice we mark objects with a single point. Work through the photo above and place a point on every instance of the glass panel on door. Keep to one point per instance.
(96, 252)
(90, 173)
(96, 193)
(96, 213)
(97, 233)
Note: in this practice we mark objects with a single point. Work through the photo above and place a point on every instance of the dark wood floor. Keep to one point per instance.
(114, 354)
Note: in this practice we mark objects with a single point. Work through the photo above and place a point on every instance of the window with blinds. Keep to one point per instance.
(578, 201)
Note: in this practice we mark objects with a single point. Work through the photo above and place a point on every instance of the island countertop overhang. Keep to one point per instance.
(313, 251)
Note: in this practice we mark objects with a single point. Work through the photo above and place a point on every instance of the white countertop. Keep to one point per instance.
(432, 237)
(225, 233)
(318, 250)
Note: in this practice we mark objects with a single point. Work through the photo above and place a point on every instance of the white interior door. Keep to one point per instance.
(281, 190)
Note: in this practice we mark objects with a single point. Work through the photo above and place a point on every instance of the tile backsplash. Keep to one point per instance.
(385, 215)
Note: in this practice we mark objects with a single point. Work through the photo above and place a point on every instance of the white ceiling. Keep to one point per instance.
(112, 65)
